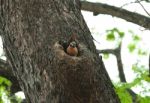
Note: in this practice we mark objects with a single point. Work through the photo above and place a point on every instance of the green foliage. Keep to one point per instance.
(136, 38)
(121, 34)
(5, 92)
(5, 82)
(121, 88)
(141, 72)
(143, 99)
(131, 47)
(113, 34)
(110, 37)
(105, 55)
(141, 52)
(4, 88)
(123, 94)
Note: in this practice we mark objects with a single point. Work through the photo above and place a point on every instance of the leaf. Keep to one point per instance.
(106, 55)
(130, 31)
(142, 52)
(131, 47)
(115, 30)
(4, 81)
(136, 38)
(124, 96)
(110, 36)
(143, 99)
(137, 69)
(121, 34)
(147, 78)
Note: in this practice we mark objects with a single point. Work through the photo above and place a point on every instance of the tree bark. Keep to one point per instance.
(31, 30)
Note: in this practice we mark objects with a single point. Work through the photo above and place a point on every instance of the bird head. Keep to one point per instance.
(73, 44)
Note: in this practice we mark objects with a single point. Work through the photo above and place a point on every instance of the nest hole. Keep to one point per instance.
(64, 44)
(61, 55)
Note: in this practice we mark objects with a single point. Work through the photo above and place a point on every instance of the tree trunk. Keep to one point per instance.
(31, 30)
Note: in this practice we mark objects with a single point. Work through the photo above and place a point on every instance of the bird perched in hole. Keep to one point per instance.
(72, 49)
(71, 46)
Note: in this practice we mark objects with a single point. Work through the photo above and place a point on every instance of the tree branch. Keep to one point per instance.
(100, 8)
(120, 65)
(117, 53)
(110, 51)
(143, 7)
(5, 71)
(132, 2)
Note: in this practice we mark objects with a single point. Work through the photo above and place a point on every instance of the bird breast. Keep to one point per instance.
(72, 51)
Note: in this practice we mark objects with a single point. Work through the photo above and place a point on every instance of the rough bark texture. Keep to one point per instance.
(31, 30)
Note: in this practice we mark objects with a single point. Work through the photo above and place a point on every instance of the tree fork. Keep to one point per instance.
(30, 30)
